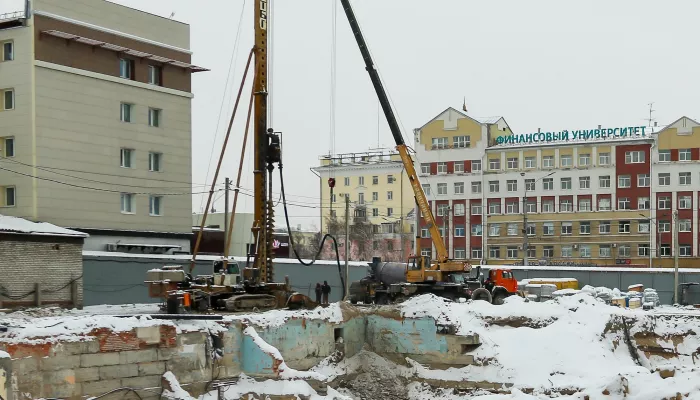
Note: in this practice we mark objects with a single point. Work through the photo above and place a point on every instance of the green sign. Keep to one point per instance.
(568, 136)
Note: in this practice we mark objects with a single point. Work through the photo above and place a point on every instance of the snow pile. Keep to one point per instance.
(275, 318)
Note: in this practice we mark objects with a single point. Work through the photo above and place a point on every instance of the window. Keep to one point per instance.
(361, 198)
(604, 204)
(459, 231)
(624, 181)
(513, 163)
(584, 205)
(493, 186)
(439, 143)
(643, 180)
(460, 254)
(424, 233)
(531, 230)
(8, 150)
(603, 158)
(567, 161)
(643, 226)
(494, 163)
(664, 226)
(476, 187)
(548, 183)
(584, 228)
(154, 117)
(531, 206)
(584, 251)
(529, 185)
(665, 250)
(684, 202)
(442, 168)
(684, 178)
(8, 96)
(375, 196)
(426, 189)
(512, 207)
(623, 203)
(548, 251)
(125, 112)
(624, 250)
(155, 203)
(375, 180)
(10, 194)
(375, 212)
(512, 251)
(494, 208)
(566, 251)
(685, 250)
(683, 154)
(643, 203)
(567, 228)
(623, 227)
(548, 228)
(604, 251)
(8, 51)
(566, 205)
(665, 179)
(441, 188)
(459, 167)
(494, 252)
(476, 254)
(476, 165)
(529, 162)
(548, 162)
(584, 182)
(459, 187)
(127, 203)
(476, 229)
(126, 68)
(643, 250)
(427, 252)
(604, 227)
(460, 142)
(476, 209)
(634, 157)
(684, 225)
(346, 181)
(494, 229)
(664, 155)
(458, 209)
(361, 181)
(154, 75)
(584, 160)
(154, 161)
(425, 168)
(512, 229)
(512, 185)
(389, 212)
(126, 158)
(665, 203)
(604, 181)
(442, 210)
(547, 206)
(390, 195)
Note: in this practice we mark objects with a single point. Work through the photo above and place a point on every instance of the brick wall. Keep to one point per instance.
(51, 262)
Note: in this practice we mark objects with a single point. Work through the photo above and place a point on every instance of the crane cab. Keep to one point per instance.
(228, 276)
(416, 267)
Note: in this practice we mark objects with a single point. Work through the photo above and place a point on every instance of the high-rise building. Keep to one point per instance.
(96, 122)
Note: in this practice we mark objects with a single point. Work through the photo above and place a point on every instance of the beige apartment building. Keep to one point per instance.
(95, 123)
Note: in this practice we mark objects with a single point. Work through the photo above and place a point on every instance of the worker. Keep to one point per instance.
(318, 292)
(326, 290)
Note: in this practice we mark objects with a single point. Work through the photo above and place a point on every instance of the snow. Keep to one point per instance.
(273, 318)
(23, 226)
(4, 354)
(527, 281)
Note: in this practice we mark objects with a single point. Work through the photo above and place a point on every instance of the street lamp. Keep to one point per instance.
(525, 238)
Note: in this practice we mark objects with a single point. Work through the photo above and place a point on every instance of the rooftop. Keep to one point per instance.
(21, 226)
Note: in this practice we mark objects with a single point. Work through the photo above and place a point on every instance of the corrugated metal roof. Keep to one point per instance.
(488, 120)
(23, 226)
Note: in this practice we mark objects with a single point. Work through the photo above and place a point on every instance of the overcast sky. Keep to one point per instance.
(541, 64)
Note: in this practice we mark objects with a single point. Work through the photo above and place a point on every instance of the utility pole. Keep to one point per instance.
(347, 245)
(675, 257)
(227, 187)
(525, 239)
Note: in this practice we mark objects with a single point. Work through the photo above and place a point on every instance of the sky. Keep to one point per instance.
(543, 64)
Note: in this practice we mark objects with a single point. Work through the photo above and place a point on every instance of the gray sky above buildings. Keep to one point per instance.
(540, 63)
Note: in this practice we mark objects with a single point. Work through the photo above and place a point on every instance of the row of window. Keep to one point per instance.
(458, 167)
(361, 212)
(361, 196)
(155, 160)
(565, 161)
(126, 111)
(127, 71)
(375, 180)
(458, 142)
(128, 204)
(584, 251)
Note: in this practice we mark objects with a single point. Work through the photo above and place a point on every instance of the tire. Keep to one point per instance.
(400, 298)
(481, 294)
(499, 298)
(382, 299)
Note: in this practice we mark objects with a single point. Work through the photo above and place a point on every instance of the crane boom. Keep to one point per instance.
(401, 147)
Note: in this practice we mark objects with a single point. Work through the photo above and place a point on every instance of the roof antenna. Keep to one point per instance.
(464, 104)
(172, 15)
(651, 119)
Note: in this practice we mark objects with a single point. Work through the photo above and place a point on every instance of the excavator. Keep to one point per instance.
(393, 282)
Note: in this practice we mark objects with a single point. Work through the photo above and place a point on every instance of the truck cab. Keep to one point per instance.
(501, 277)
(229, 276)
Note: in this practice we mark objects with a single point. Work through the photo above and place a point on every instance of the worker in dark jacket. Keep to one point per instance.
(318, 292)
(326, 290)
